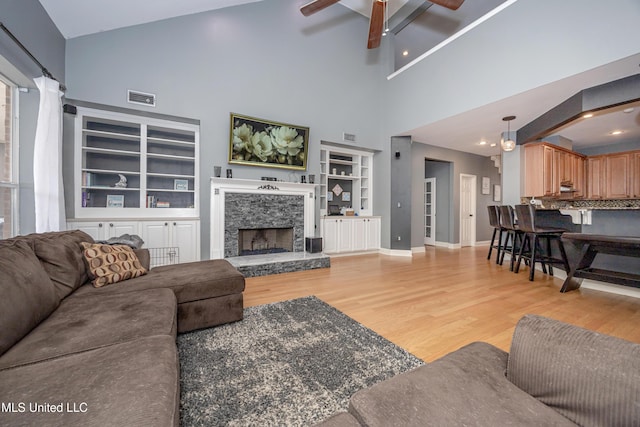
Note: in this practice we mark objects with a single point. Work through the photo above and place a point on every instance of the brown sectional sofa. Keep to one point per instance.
(555, 374)
(72, 354)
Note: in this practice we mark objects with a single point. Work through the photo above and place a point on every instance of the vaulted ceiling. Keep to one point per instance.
(429, 26)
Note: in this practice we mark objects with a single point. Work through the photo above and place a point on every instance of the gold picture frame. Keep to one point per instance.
(259, 142)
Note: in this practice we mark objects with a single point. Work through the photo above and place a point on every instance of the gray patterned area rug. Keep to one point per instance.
(292, 363)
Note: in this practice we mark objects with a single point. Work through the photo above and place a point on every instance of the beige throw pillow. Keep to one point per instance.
(111, 263)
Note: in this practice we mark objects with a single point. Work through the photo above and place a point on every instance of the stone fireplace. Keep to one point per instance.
(250, 217)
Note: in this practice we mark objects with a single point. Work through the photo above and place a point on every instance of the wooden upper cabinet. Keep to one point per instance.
(595, 177)
(578, 176)
(539, 170)
(547, 167)
(618, 176)
(635, 174)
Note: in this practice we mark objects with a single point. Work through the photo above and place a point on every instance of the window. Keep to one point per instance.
(8, 160)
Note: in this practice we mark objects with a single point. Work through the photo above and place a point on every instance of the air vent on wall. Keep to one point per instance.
(350, 137)
(141, 98)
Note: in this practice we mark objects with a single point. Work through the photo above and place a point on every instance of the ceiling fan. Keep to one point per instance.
(376, 22)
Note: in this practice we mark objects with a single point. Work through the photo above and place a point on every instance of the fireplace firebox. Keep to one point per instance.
(258, 241)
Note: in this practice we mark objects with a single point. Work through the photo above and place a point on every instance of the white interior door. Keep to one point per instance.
(467, 210)
(430, 211)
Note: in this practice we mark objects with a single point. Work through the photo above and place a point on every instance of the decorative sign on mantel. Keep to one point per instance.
(268, 187)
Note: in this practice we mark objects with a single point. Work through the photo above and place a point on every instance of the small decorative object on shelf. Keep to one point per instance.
(303, 179)
(122, 183)
(217, 171)
(181, 184)
(115, 201)
(312, 179)
(229, 173)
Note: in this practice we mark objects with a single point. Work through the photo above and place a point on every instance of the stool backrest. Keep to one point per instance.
(526, 218)
(507, 219)
(494, 216)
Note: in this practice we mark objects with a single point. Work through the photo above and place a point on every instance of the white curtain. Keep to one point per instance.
(47, 158)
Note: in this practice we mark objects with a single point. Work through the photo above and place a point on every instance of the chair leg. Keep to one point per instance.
(532, 267)
(513, 249)
(499, 249)
(493, 239)
(525, 240)
(549, 255)
(504, 249)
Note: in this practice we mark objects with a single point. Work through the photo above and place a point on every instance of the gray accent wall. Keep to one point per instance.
(262, 59)
(31, 24)
(449, 205)
(401, 200)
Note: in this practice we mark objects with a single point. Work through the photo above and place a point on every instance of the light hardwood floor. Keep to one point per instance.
(438, 301)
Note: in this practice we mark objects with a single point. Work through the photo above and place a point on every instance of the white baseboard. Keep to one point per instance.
(396, 252)
(448, 245)
(483, 243)
(418, 250)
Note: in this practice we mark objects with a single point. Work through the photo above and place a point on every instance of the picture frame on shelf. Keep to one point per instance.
(115, 200)
(330, 196)
(346, 196)
(181, 184)
(266, 143)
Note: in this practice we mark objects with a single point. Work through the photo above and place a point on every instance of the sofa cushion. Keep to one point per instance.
(128, 384)
(27, 296)
(591, 378)
(110, 264)
(61, 256)
(85, 323)
(464, 388)
(191, 281)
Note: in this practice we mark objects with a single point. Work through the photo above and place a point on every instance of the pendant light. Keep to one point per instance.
(508, 144)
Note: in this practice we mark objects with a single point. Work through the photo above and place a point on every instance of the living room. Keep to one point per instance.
(266, 60)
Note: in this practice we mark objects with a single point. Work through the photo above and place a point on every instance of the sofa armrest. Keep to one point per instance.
(144, 257)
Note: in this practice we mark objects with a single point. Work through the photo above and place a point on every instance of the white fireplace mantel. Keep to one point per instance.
(221, 186)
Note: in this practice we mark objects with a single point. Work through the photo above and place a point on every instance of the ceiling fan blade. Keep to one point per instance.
(316, 6)
(375, 23)
(449, 4)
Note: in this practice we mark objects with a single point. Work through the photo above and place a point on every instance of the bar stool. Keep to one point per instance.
(494, 221)
(514, 234)
(532, 237)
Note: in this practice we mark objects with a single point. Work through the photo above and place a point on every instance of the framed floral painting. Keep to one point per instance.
(258, 142)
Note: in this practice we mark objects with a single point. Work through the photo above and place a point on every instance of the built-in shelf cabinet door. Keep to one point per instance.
(350, 234)
(104, 230)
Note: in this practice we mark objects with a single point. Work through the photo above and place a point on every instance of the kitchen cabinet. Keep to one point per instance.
(548, 168)
(343, 234)
(595, 177)
(635, 173)
(618, 176)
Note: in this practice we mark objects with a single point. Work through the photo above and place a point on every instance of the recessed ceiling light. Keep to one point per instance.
(587, 116)
(483, 143)
(405, 53)
(616, 132)
(493, 144)
(628, 110)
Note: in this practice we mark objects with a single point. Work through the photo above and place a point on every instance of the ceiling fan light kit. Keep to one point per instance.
(378, 17)
(508, 144)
